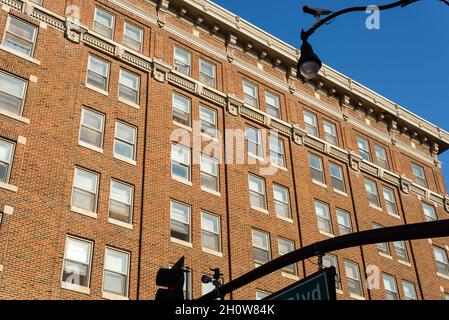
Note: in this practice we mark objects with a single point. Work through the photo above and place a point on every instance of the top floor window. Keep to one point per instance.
(251, 94)
(364, 150)
(12, 93)
(273, 104)
(132, 37)
(420, 176)
(207, 73)
(311, 123)
(104, 23)
(20, 36)
(182, 61)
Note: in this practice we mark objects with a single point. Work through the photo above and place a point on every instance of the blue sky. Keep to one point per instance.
(406, 60)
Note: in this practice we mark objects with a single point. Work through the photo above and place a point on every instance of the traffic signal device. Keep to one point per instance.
(173, 280)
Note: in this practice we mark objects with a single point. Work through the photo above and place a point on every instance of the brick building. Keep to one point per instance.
(108, 111)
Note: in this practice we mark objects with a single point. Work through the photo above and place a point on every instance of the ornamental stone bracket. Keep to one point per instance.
(405, 184)
(27, 8)
(298, 134)
(345, 103)
(162, 8)
(74, 29)
(160, 71)
(446, 203)
(233, 105)
(230, 46)
(354, 161)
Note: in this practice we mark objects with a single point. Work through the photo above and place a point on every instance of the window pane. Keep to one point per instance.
(116, 261)
(85, 180)
(210, 223)
(180, 212)
(409, 290)
(125, 132)
(133, 37)
(429, 212)
(78, 251)
(256, 184)
(84, 200)
(98, 66)
(115, 283)
(5, 151)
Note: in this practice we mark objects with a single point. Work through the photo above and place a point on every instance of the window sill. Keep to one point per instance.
(340, 192)
(215, 193)
(385, 255)
(120, 223)
(105, 93)
(290, 276)
(88, 146)
(376, 208)
(14, 116)
(8, 187)
(75, 287)
(394, 216)
(183, 181)
(444, 276)
(131, 104)
(212, 252)
(340, 292)
(407, 264)
(113, 296)
(183, 126)
(289, 220)
(21, 55)
(83, 212)
(124, 159)
(181, 242)
(207, 137)
(324, 233)
(258, 158)
(356, 297)
(265, 211)
(319, 184)
(278, 166)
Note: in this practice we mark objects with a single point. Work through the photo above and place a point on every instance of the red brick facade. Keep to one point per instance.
(35, 201)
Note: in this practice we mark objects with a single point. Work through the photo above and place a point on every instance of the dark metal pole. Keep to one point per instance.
(435, 229)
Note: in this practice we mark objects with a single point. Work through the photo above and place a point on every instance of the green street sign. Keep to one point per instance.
(319, 286)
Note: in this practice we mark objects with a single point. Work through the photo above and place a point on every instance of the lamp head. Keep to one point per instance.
(309, 64)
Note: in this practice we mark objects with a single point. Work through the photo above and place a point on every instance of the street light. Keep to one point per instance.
(309, 63)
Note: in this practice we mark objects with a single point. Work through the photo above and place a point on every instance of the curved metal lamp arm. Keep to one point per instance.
(306, 34)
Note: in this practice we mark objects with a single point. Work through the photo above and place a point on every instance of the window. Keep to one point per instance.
(354, 282)
(330, 132)
(331, 261)
(383, 248)
(287, 246)
(182, 61)
(98, 73)
(260, 295)
(207, 73)
(39, 2)
(338, 180)
(121, 202)
(125, 141)
(208, 118)
(210, 232)
(390, 201)
(104, 23)
(181, 110)
(180, 221)
(277, 154)
(180, 156)
(409, 290)
(316, 168)
(281, 201)
(344, 222)
(209, 173)
(273, 104)
(420, 176)
(129, 86)
(311, 123)
(12, 93)
(323, 217)
(92, 128)
(429, 212)
(441, 260)
(391, 289)
(381, 156)
(20, 36)
(446, 296)
(187, 289)
(132, 37)
(371, 190)
(116, 272)
(77, 262)
(250, 94)
(401, 251)
(85, 190)
(254, 142)
(6, 156)
(257, 196)
(261, 247)
(364, 151)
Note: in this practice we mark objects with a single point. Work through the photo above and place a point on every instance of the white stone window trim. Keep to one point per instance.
(75, 287)
(181, 242)
(83, 212)
(212, 252)
(120, 223)
(15, 116)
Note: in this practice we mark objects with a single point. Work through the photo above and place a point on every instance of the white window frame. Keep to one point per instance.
(267, 250)
(441, 264)
(177, 62)
(260, 295)
(371, 195)
(139, 41)
(428, 218)
(189, 218)
(381, 156)
(356, 279)
(133, 144)
(333, 263)
(205, 130)
(216, 234)
(419, 179)
(126, 275)
(340, 178)
(413, 289)
(247, 97)
(258, 144)
(99, 131)
(292, 269)
(275, 155)
(135, 90)
(330, 137)
(400, 247)
(21, 98)
(91, 86)
(69, 285)
(384, 247)
(390, 201)
(364, 149)
(9, 162)
(189, 105)
(392, 281)
(130, 204)
(256, 192)
(185, 165)
(319, 170)
(326, 219)
(342, 227)
(311, 128)
(33, 42)
(213, 77)
(112, 27)
(273, 110)
(282, 203)
(95, 194)
(205, 173)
